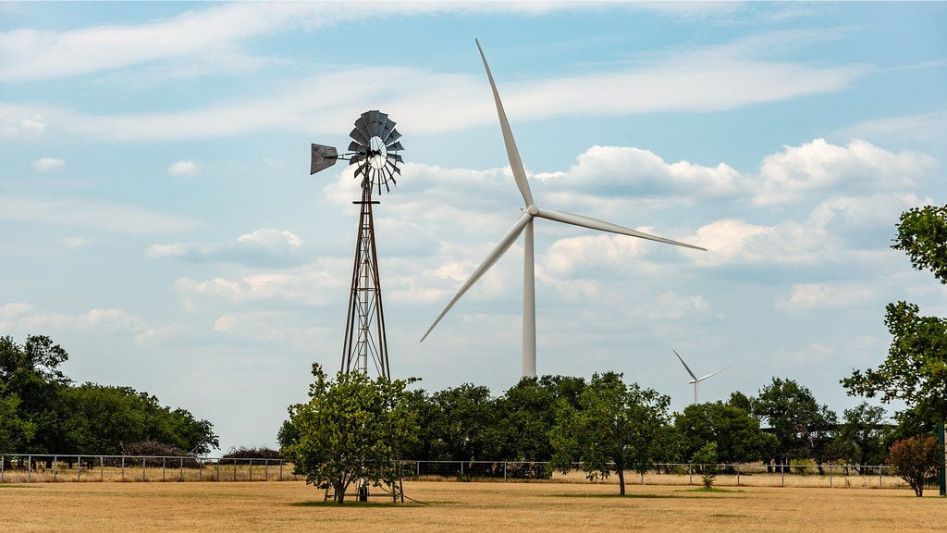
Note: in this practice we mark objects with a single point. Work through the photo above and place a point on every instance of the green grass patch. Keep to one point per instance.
(15, 486)
(710, 490)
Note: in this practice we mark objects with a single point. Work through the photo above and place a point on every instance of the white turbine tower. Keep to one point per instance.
(696, 381)
(525, 225)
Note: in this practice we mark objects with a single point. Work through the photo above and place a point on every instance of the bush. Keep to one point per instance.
(155, 450)
(803, 467)
(245, 452)
(916, 459)
(706, 457)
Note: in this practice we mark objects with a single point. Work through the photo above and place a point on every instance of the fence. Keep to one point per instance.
(51, 468)
(744, 474)
(45, 468)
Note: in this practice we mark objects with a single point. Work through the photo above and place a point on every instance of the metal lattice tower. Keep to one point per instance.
(374, 150)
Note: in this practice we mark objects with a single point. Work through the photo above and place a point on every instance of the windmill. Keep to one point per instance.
(695, 380)
(524, 225)
(374, 149)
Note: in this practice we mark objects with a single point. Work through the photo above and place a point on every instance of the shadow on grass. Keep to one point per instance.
(15, 486)
(631, 496)
(369, 505)
(710, 490)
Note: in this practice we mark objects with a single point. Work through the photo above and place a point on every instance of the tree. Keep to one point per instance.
(861, 437)
(916, 459)
(915, 370)
(610, 430)
(707, 458)
(14, 431)
(463, 424)
(735, 433)
(802, 427)
(351, 429)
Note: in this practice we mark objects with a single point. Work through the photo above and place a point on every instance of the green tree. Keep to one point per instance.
(463, 424)
(14, 431)
(916, 459)
(30, 373)
(351, 429)
(706, 457)
(861, 437)
(611, 429)
(802, 427)
(737, 435)
(915, 370)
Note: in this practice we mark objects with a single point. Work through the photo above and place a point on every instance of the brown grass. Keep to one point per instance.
(453, 506)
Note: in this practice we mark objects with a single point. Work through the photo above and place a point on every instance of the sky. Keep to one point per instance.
(158, 221)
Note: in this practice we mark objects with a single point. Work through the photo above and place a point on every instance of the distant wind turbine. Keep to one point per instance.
(524, 225)
(696, 381)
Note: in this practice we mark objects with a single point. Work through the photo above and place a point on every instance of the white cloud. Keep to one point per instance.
(715, 79)
(75, 243)
(100, 216)
(20, 121)
(819, 166)
(636, 172)
(185, 167)
(807, 296)
(24, 317)
(928, 127)
(48, 163)
(261, 246)
(217, 31)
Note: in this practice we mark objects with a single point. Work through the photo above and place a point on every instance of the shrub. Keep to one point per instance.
(803, 467)
(916, 459)
(245, 452)
(706, 457)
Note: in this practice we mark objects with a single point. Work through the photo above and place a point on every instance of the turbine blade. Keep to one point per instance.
(492, 258)
(712, 374)
(685, 366)
(516, 164)
(601, 225)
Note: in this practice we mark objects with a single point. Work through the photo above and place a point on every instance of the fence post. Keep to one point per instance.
(782, 476)
(266, 470)
(29, 468)
(123, 467)
(690, 474)
(101, 468)
(55, 460)
(235, 469)
(830, 476)
(218, 469)
(78, 467)
(164, 464)
(417, 466)
(251, 469)
(738, 475)
(504, 470)
(880, 472)
(281, 470)
(181, 475)
(143, 468)
(3, 463)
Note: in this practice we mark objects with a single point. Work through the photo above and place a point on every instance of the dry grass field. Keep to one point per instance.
(456, 506)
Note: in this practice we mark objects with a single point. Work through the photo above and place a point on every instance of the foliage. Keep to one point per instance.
(351, 429)
(737, 435)
(51, 415)
(464, 423)
(707, 458)
(244, 452)
(611, 428)
(916, 459)
(915, 370)
(860, 439)
(802, 427)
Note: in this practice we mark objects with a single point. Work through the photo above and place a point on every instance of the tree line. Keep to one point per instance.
(42, 411)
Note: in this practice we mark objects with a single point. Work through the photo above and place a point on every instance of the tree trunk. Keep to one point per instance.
(621, 478)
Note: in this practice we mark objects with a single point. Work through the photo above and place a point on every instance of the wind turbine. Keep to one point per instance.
(525, 225)
(696, 381)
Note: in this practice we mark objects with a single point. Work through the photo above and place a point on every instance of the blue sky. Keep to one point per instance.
(158, 220)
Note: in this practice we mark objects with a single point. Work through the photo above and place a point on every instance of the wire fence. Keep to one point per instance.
(32, 468)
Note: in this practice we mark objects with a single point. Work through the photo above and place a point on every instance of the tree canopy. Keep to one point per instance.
(915, 370)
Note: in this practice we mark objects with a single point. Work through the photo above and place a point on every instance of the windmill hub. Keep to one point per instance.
(533, 210)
